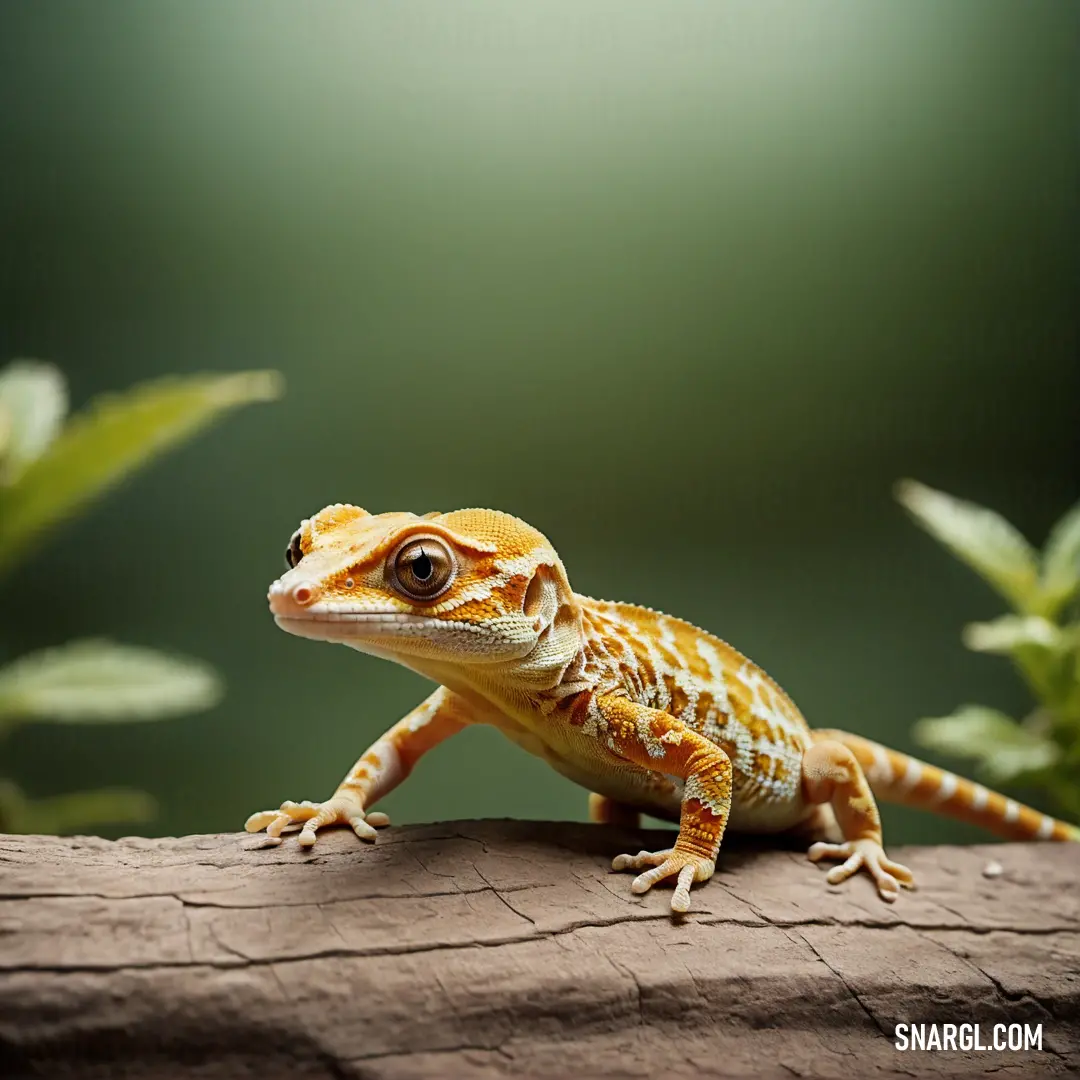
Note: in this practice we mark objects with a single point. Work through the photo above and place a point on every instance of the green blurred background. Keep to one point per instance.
(685, 285)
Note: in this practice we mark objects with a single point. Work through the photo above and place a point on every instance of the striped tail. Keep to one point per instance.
(897, 778)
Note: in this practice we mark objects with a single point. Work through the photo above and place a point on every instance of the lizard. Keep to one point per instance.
(647, 712)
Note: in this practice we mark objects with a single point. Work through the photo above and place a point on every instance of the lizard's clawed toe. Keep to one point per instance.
(309, 817)
(866, 855)
(665, 864)
(640, 861)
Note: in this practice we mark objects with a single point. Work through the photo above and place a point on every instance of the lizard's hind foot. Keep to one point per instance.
(864, 855)
(667, 863)
(313, 816)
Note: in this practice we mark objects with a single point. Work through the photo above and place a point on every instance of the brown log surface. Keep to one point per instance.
(503, 949)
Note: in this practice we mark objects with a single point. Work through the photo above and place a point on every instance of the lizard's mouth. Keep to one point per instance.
(372, 617)
(362, 625)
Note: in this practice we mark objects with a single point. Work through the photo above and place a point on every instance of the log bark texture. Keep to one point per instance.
(499, 949)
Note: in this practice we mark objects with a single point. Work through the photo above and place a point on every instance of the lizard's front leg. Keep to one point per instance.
(383, 766)
(659, 741)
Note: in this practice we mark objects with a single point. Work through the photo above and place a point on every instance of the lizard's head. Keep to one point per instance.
(468, 588)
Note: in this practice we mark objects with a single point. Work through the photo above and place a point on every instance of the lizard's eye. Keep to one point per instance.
(422, 569)
(293, 554)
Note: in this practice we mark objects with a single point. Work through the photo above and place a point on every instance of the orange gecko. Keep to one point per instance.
(646, 711)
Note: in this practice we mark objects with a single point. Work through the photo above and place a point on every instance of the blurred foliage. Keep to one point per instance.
(1041, 636)
(48, 470)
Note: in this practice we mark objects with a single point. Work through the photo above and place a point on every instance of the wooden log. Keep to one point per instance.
(509, 949)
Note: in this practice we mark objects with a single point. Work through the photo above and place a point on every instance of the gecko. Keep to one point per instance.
(647, 712)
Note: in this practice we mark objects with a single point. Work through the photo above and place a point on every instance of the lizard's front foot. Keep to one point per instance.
(690, 868)
(868, 855)
(340, 810)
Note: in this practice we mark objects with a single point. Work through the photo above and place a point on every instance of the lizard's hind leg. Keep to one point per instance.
(830, 774)
(605, 811)
(819, 827)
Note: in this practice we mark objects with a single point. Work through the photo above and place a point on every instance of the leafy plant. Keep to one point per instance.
(50, 467)
(1041, 636)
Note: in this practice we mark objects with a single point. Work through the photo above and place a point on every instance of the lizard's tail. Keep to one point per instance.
(897, 778)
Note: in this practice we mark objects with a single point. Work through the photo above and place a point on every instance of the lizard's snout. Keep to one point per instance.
(291, 600)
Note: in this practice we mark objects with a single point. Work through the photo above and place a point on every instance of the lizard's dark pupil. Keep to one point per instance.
(293, 553)
(421, 569)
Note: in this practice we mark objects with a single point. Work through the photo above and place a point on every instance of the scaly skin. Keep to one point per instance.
(646, 711)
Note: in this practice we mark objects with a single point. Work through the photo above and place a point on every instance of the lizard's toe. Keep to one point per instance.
(866, 855)
(685, 867)
(641, 860)
(309, 817)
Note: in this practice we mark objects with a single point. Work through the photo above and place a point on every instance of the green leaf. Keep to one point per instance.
(98, 681)
(1061, 558)
(79, 810)
(980, 537)
(1009, 633)
(6, 426)
(33, 398)
(1041, 650)
(109, 439)
(1003, 748)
